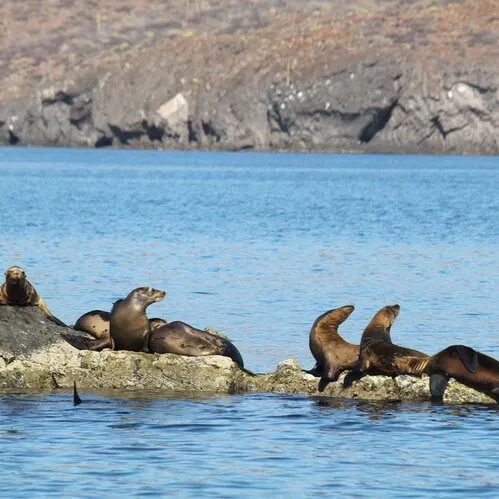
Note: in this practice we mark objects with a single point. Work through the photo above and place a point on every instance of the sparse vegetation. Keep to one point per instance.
(52, 40)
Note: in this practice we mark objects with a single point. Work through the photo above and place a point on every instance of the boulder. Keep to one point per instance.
(38, 355)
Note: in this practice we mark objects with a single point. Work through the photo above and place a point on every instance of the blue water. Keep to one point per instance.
(257, 246)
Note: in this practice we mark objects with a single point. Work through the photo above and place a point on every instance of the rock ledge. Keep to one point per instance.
(35, 356)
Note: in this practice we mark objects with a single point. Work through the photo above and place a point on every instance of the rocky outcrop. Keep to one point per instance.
(283, 75)
(374, 105)
(36, 355)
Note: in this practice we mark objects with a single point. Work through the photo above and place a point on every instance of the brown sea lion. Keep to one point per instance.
(377, 352)
(18, 291)
(97, 323)
(332, 353)
(183, 339)
(463, 363)
(129, 325)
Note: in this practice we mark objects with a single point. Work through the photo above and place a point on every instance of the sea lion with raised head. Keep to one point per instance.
(129, 325)
(183, 339)
(377, 352)
(19, 292)
(463, 363)
(97, 324)
(332, 353)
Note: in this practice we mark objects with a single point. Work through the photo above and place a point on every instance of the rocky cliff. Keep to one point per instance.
(373, 76)
(36, 355)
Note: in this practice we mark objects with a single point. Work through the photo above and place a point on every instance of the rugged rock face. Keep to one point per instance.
(373, 76)
(34, 356)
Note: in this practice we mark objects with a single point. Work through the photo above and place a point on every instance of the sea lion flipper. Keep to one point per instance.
(353, 375)
(469, 357)
(438, 384)
(323, 382)
(76, 398)
(48, 313)
(316, 371)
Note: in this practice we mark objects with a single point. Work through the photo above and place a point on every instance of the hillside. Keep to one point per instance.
(385, 75)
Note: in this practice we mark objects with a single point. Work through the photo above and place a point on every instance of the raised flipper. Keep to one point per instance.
(469, 357)
(438, 384)
(49, 314)
(76, 398)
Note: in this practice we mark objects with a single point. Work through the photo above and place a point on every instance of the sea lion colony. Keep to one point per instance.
(126, 327)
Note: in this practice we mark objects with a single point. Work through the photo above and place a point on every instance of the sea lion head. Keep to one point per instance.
(15, 274)
(146, 296)
(387, 315)
(384, 318)
(342, 314)
(156, 322)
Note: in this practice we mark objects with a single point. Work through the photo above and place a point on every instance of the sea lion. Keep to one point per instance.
(463, 363)
(18, 291)
(129, 325)
(97, 323)
(183, 339)
(332, 353)
(377, 352)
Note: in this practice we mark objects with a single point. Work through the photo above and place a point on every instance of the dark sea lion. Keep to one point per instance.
(183, 339)
(332, 353)
(463, 363)
(129, 325)
(377, 352)
(18, 291)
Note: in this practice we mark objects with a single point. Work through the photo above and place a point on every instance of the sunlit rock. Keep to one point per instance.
(35, 355)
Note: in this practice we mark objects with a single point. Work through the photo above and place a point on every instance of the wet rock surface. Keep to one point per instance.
(34, 356)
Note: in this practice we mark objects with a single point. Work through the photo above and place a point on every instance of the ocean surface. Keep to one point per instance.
(256, 246)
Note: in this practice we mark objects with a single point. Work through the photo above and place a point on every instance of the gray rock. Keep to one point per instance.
(371, 105)
(36, 355)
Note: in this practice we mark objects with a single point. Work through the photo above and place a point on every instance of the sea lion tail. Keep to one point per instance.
(468, 357)
(76, 398)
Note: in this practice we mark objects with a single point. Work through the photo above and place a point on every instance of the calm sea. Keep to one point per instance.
(256, 246)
